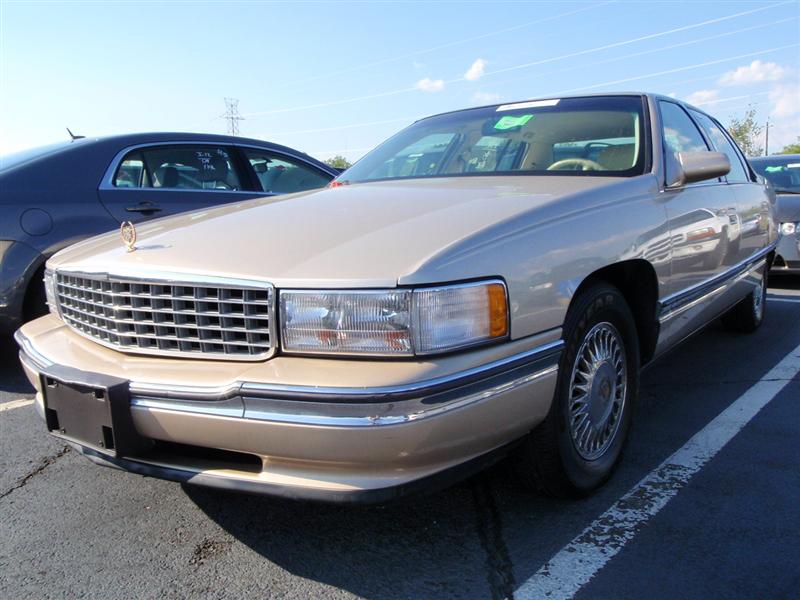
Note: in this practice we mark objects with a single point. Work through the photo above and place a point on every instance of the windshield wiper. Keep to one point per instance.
(781, 191)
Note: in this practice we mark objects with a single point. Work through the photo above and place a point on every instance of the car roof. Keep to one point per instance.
(774, 157)
(654, 96)
(131, 139)
(116, 143)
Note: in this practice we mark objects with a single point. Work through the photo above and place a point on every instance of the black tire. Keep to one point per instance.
(35, 298)
(548, 459)
(748, 314)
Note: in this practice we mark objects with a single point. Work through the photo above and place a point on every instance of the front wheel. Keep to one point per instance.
(575, 449)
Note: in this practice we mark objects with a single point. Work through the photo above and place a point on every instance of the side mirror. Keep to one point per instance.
(691, 167)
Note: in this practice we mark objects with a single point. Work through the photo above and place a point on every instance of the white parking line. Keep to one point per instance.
(14, 404)
(569, 570)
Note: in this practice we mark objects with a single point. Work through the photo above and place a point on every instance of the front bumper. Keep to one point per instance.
(440, 421)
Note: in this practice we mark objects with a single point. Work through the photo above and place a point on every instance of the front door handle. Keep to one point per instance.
(146, 208)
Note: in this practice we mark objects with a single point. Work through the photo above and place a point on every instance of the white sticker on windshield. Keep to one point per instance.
(793, 165)
(531, 104)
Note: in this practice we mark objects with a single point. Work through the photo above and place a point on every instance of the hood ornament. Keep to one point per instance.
(128, 233)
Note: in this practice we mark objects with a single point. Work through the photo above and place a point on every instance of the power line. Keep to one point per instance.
(232, 115)
(528, 64)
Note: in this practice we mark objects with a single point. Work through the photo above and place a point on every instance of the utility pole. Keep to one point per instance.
(766, 142)
(232, 115)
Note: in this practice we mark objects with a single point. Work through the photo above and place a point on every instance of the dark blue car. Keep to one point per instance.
(53, 196)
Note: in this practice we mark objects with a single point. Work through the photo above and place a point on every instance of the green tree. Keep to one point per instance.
(746, 132)
(791, 148)
(338, 162)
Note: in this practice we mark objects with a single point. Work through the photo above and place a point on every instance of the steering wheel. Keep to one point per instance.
(569, 164)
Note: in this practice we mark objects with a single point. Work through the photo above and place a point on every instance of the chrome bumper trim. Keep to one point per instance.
(342, 394)
(317, 414)
(35, 356)
(338, 406)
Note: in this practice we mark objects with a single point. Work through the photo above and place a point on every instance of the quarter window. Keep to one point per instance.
(131, 172)
(278, 174)
(680, 135)
(184, 167)
(722, 144)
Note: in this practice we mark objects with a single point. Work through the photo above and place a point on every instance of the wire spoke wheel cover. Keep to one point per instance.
(597, 391)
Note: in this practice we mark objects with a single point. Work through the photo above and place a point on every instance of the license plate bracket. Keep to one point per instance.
(91, 413)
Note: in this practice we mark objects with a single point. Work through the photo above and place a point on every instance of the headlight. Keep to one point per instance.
(393, 322)
(50, 291)
(788, 228)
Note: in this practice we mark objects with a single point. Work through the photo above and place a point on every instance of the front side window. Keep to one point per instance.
(601, 136)
(183, 167)
(722, 144)
(279, 174)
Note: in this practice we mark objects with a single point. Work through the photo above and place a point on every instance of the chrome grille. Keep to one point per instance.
(198, 319)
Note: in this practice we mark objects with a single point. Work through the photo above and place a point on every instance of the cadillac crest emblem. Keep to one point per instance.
(128, 233)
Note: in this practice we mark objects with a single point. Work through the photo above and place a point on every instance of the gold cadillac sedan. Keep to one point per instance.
(486, 282)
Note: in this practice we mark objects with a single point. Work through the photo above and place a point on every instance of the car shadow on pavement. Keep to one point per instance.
(12, 378)
(449, 541)
(459, 541)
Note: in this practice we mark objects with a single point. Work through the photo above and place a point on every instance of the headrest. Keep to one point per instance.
(617, 158)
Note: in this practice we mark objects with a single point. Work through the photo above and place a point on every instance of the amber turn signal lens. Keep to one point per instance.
(498, 310)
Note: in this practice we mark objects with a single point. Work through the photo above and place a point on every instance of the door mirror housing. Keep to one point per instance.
(690, 167)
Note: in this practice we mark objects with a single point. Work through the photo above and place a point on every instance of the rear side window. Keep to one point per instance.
(184, 167)
(723, 144)
(279, 174)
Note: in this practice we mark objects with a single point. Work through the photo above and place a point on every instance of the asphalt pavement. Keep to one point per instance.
(70, 529)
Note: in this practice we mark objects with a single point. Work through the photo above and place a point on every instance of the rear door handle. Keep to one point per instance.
(146, 208)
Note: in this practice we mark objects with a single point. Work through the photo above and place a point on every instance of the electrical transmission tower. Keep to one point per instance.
(232, 115)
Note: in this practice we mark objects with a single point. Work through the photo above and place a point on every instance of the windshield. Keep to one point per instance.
(572, 136)
(783, 172)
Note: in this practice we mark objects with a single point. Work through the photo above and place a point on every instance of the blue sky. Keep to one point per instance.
(339, 77)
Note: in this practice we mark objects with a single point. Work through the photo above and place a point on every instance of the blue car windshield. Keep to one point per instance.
(599, 135)
(783, 172)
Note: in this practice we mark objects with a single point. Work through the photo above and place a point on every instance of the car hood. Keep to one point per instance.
(787, 208)
(369, 235)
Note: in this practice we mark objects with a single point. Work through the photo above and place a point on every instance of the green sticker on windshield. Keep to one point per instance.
(510, 122)
(774, 169)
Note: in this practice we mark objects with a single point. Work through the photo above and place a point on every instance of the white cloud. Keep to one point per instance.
(485, 97)
(701, 97)
(430, 85)
(673, 94)
(417, 65)
(756, 72)
(785, 100)
(781, 134)
(476, 71)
